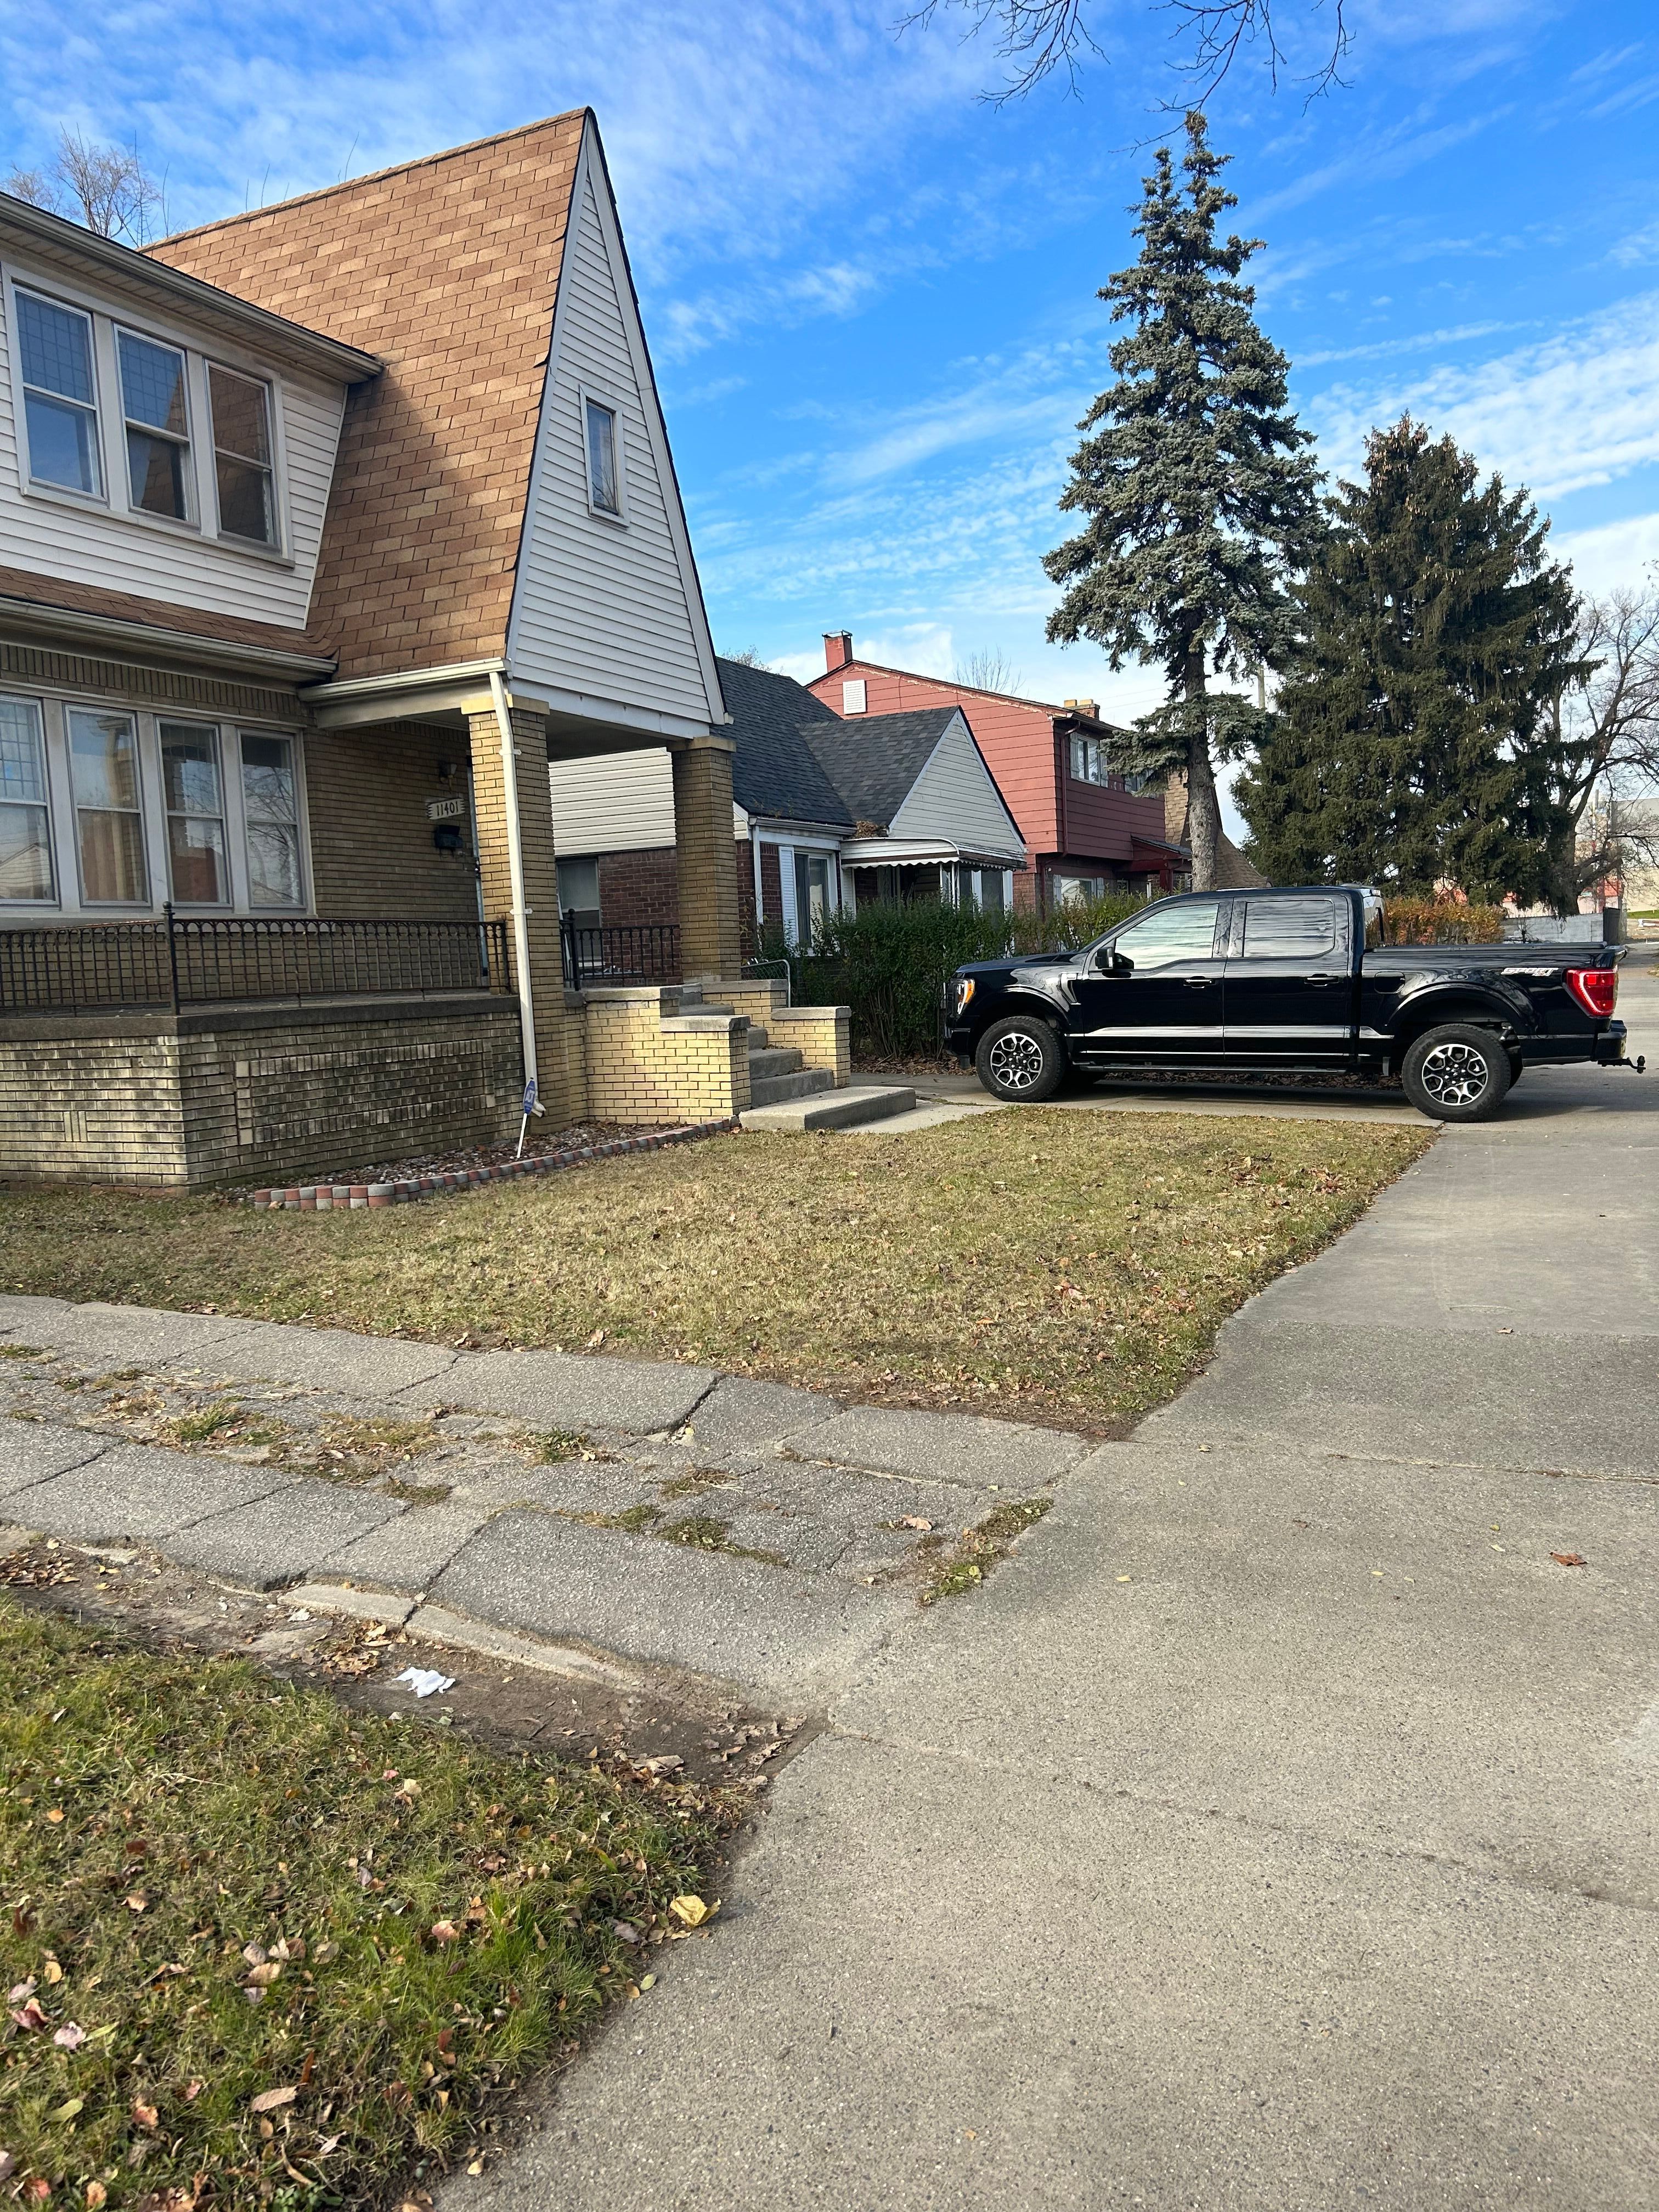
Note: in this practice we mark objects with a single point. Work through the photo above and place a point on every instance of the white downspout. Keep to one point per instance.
(760, 896)
(515, 873)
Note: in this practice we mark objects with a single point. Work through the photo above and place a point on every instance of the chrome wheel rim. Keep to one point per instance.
(1016, 1061)
(1455, 1074)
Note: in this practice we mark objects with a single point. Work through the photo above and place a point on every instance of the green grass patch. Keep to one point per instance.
(968, 1562)
(551, 1445)
(20, 1351)
(702, 1532)
(294, 1950)
(1048, 1264)
(196, 1428)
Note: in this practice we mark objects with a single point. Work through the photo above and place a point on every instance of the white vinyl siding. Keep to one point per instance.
(601, 606)
(954, 800)
(108, 549)
(618, 803)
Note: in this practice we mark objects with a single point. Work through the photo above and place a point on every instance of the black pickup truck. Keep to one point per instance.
(1256, 981)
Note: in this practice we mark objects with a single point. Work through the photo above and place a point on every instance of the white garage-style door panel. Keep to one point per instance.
(955, 801)
(607, 605)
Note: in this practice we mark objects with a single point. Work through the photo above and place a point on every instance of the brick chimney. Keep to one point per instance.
(837, 648)
(1089, 706)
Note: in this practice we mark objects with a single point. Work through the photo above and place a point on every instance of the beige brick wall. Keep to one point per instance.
(648, 1063)
(372, 853)
(558, 1051)
(198, 1100)
(706, 859)
(822, 1035)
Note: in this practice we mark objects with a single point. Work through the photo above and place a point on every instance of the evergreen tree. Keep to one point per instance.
(1200, 499)
(1409, 747)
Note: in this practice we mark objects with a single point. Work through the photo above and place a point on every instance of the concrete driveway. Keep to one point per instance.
(1276, 1830)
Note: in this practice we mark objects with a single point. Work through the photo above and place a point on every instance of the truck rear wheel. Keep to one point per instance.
(1456, 1073)
(1020, 1058)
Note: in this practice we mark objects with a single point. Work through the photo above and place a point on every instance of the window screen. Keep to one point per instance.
(1184, 931)
(1290, 929)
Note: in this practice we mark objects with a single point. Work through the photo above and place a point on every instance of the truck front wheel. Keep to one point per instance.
(1456, 1073)
(1020, 1058)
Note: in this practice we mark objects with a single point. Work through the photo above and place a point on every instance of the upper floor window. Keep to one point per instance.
(604, 476)
(1088, 761)
(157, 426)
(60, 399)
(241, 456)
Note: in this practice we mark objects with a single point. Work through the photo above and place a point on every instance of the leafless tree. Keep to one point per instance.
(1602, 745)
(748, 658)
(1035, 38)
(107, 188)
(986, 671)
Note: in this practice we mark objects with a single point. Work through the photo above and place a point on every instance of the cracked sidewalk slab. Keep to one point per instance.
(969, 1449)
(562, 1390)
(139, 1491)
(282, 1537)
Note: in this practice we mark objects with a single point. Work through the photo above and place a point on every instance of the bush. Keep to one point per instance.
(891, 964)
(1440, 921)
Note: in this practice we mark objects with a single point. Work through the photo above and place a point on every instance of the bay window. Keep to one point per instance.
(105, 808)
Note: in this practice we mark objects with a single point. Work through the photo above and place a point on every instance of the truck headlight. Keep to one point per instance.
(964, 994)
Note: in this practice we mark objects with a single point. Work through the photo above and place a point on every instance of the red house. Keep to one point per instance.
(1088, 830)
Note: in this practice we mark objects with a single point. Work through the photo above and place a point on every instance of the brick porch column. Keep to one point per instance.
(558, 1041)
(706, 859)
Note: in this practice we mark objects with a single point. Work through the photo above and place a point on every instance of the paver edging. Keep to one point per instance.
(329, 1198)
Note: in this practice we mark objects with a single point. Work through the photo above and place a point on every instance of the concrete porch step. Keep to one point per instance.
(758, 1040)
(836, 1109)
(765, 1062)
(779, 1089)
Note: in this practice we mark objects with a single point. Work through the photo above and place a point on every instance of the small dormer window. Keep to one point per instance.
(241, 456)
(60, 403)
(157, 427)
(604, 478)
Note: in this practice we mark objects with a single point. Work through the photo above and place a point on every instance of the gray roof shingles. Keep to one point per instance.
(798, 761)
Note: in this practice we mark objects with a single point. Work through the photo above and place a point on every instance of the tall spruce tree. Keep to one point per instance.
(1199, 498)
(1409, 743)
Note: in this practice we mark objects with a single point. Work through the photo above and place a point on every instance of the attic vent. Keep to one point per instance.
(853, 696)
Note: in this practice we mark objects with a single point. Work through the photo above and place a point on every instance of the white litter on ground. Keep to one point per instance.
(426, 1681)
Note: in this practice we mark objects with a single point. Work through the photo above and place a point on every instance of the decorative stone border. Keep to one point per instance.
(329, 1197)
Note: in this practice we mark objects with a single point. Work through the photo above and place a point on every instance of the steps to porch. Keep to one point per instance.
(783, 1094)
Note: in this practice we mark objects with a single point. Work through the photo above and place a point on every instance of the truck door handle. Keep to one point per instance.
(1197, 982)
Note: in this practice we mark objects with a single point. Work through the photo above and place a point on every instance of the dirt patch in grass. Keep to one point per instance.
(1055, 1266)
(264, 1948)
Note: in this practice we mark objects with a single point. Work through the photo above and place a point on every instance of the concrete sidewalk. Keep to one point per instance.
(1274, 1831)
(525, 1491)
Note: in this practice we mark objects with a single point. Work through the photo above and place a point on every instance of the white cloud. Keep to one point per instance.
(1578, 409)
(1613, 555)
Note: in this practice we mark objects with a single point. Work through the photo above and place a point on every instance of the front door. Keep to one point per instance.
(1162, 999)
(1289, 981)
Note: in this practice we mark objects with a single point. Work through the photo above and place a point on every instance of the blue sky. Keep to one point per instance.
(871, 296)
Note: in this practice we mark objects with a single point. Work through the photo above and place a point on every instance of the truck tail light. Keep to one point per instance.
(1596, 989)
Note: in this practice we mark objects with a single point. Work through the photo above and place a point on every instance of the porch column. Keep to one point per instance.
(706, 859)
(533, 950)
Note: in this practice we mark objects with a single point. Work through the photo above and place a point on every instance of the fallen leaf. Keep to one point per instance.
(145, 2116)
(268, 2100)
(627, 1931)
(37, 2191)
(692, 1910)
(916, 1521)
(647, 1981)
(20, 1990)
(193, 2090)
(477, 2167)
(1568, 1558)
(53, 1972)
(56, 1814)
(8, 2166)
(68, 2109)
(96, 2194)
(445, 1931)
(137, 1903)
(263, 1977)
(29, 2017)
(254, 1954)
(70, 2037)
(668, 1762)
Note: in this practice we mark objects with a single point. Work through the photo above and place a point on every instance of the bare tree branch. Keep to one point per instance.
(986, 671)
(1037, 38)
(107, 188)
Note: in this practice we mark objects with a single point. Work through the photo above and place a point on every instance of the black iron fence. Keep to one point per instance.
(181, 961)
(627, 952)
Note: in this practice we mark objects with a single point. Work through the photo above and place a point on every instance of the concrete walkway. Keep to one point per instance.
(1276, 1830)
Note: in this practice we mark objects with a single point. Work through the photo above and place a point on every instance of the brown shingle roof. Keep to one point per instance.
(48, 592)
(447, 270)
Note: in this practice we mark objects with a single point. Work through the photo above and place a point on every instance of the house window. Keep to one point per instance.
(1077, 890)
(241, 456)
(109, 822)
(157, 428)
(1090, 760)
(196, 814)
(604, 478)
(271, 812)
(812, 897)
(990, 884)
(579, 893)
(25, 824)
(60, 403)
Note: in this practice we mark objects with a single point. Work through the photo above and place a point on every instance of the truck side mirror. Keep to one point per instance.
(1111, 962)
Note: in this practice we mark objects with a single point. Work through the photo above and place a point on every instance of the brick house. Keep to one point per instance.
(322, 531)
(827, 813)
(1088, 831)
